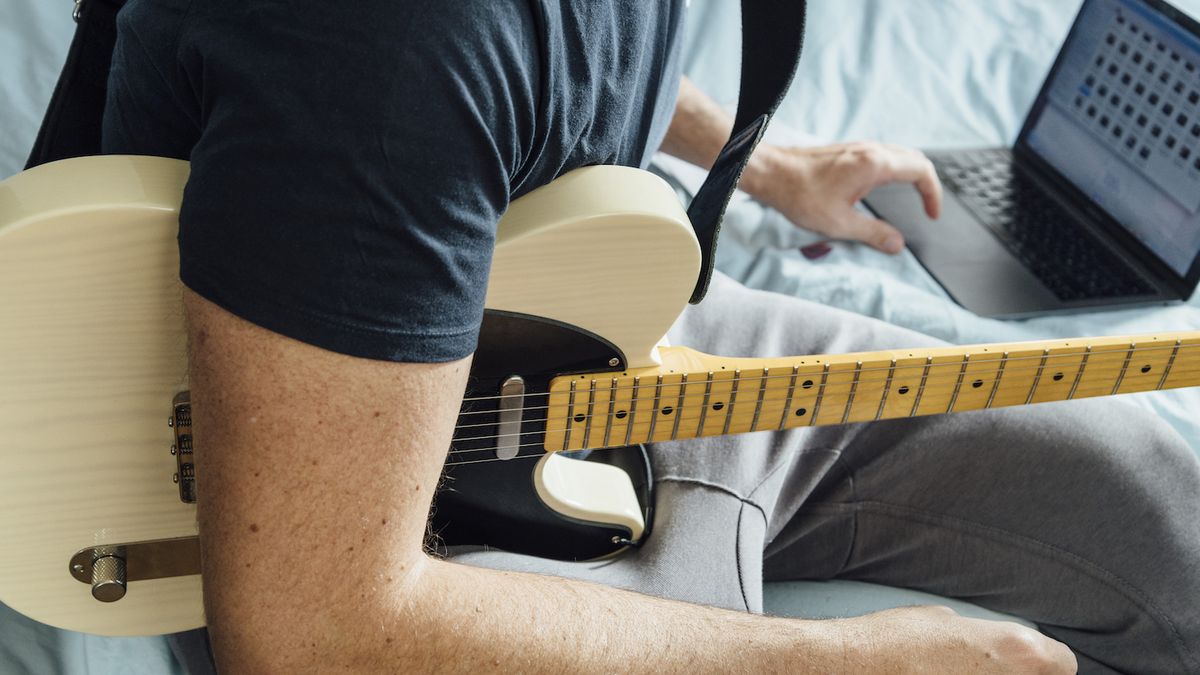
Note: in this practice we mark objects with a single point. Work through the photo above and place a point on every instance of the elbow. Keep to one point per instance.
(379, 622)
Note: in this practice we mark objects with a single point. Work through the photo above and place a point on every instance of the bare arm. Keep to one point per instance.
(816, 188)
(316, 476)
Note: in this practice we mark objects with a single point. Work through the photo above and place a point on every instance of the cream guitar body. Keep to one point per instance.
(93, 352)
(589, 272)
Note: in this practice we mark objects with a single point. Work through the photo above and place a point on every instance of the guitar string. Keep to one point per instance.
(1009, 374)
(767, 403)
(829, 389)
(947, 382)
(496, 459)
(1086, 392)
(957, 363)
(541, 450)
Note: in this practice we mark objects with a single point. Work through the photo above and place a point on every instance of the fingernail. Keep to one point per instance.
(893, 243)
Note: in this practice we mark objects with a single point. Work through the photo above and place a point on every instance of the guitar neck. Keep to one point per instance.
(694, 395)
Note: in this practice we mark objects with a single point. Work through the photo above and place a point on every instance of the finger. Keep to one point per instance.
(874, 232)
(907, 165)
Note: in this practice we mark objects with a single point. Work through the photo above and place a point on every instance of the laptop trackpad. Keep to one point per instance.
(975, 268)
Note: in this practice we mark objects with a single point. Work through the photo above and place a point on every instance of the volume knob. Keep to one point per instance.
(108, 576)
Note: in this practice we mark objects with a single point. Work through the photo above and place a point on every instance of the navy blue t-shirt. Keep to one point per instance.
(350, 160)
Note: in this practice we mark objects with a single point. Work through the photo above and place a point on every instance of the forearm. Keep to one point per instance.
(483, 619)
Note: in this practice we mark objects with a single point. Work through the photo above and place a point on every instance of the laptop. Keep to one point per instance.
(1098, 202)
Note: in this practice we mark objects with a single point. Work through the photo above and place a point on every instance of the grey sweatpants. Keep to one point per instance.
(1083, 517)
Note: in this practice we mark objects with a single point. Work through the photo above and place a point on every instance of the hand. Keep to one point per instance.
(817, 188)
(937, 640)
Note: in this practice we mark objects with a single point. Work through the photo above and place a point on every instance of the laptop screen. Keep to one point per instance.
(1120, 119)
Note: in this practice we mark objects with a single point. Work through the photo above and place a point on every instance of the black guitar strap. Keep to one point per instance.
(772, 37)
(71, 127)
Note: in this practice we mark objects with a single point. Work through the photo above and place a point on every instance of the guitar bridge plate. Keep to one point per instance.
(185, 470)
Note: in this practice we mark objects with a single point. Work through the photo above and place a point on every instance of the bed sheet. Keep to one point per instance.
(924, 73)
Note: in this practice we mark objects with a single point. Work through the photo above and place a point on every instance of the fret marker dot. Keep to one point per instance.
(1058, 377)
(580, 417)
(977, 384)
(667, 410)
(807, 384)
(800, 412)
(903, 390)
(621, 414)
(718, 405)
(1145, 369)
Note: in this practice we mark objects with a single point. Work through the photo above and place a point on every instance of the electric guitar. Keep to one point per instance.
(97, 485)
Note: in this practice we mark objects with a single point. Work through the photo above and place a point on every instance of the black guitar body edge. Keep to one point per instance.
(487, 502)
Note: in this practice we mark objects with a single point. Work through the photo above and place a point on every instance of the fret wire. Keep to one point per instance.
(704, 409)
(996, 384)
(820, 395)
(853, 391)
(587, 427)
(637, 384)
(528, 445)
(679, 407)
(1124, 368)
(1079, 375)
(931, 388)
(533, 395)
(762, 388)
(962, 372)
(654, 410)
(887, 387)
(737, 376)
(608, 423)
(543, 434)
(1038, 377)
(921, 389)
(570, 417)
(1170, 362)
(1089, 350)
(1105, 392)
(787, 404)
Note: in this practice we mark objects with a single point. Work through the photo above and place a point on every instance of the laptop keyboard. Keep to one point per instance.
(1039, 232)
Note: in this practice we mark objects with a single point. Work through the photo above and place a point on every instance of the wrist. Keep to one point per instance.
(822, 646)
(760, 178)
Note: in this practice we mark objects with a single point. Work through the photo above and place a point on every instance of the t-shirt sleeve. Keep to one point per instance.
(352, 163)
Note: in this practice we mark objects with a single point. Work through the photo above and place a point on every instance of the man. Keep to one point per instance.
(349, 164)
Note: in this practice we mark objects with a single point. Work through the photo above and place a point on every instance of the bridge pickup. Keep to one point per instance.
(512, 407)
